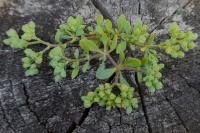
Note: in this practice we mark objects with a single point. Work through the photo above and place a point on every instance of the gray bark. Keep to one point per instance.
(39, 105)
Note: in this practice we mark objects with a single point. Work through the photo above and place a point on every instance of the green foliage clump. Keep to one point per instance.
(179, 42)
(151, 75)
(58, 62)
(104, 96)
(73, 27)
(117, 49)
(140, 33)
(31, 61)
(14, 41)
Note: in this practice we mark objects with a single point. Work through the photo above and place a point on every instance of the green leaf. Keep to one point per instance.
(26, 62)
(121, 47)
(174, 28)
(99, 20)
(38, 60)
(104, 39)
(129, 110)
(118, 100)
(66, 37)
(132, 62)
(134, 102)
(58, 36)
(32, 70)
(12, 33)
(86, 66)
(58, 70)
(87, 104)
(30, 53)
(76, 53)
(99, 29)
(121, 22)
(75, 72)
(57, 51)
(127, 27)
(88, 45)
(63, 74)
(108, 25)
(29, 31)
(142, 39)
(29, 27)
(57, 78)
(120, 50)
(104, 73)
(192, 36)
(139, 76)
(121, 56)
(138, 23)
(123, 80)
(180, 54)
(114, 43)
(101, 94)
(14, 41)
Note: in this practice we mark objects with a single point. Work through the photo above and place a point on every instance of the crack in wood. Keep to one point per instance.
(164, 19)
(110, 127)
(141, 94)
(177, 114)
(31, 110)
(139, 7)
(98, 5)
(84, 116)
(11, 87)
(6, 119)
(74, 125)
(188, 84)
(120, 118)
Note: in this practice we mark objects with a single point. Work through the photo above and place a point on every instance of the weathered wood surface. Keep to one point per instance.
(39, 105)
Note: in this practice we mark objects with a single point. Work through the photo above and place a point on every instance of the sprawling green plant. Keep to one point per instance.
(118, 49)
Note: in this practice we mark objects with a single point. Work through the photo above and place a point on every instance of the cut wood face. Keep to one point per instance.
(3, 2)
(39, 105)
(152, 12)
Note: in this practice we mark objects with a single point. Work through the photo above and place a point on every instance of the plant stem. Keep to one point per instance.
(118, 68)
(84, 59)
(44, 50)
(46, 43)
(112, 60)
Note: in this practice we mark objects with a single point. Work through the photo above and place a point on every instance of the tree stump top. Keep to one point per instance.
(39, 105)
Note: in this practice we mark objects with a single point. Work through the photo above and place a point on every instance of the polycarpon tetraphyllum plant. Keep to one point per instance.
(102, 43)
